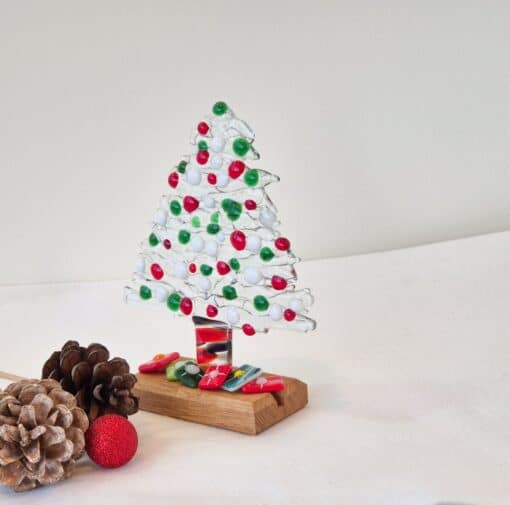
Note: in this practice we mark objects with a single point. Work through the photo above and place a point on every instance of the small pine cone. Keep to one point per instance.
(41, 434)
(100, 385)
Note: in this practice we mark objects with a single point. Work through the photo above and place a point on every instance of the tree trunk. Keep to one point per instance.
(213, 341)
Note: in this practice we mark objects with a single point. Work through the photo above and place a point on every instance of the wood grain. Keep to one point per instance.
(244, 413)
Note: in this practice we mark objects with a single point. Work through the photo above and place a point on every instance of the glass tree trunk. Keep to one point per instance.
(213, 341)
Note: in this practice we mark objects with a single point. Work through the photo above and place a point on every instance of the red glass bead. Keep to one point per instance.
(250, 204)
(238, 240)
(173, 179)
(282, 244)
(167, 244)
(202, 157)
(212, 311)
(278, 282)
(289, 315)
(236, 168)
(190, 203)
(222, 267)
(202, 128)
(212, 179)
(248, 329)
(192, 268)
(156, 271)
(186, 306)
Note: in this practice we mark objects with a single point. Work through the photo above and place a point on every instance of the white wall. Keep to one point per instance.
(388, 122)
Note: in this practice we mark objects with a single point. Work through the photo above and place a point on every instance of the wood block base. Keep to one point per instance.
(245, 413)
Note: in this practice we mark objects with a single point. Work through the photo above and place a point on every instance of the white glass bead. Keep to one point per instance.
(197, 243)
(160, 217)
(222, 180)
(193, 176)
(211, 248)
(220, 237)
(161, 294)
(217, 144)
(252, 275)
(275, 312)
(204, 283)
(216, 161)
(233, 315)
(296, 305)
(208, 201)
(253, 243)
(140, 265)
(180, 270)
(267, 217)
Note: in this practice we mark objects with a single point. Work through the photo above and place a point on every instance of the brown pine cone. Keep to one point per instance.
(101, 386)
(41, 434)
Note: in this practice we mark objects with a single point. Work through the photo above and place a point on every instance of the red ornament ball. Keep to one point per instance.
(250, 204)
(157, 271)
(212, 179)
(203, 128)
(192, 268)
(202, 157)
(190, 203)
(167, 244)
(212, 311)
(282, 244)
(236, 168)
(248, 329)
(111, 441)
(289, 315)
(223, 268)
(278, 282)
(238, 240)
(186, 306)
(173, 179)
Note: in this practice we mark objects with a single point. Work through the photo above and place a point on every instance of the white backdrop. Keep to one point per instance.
(388, 122)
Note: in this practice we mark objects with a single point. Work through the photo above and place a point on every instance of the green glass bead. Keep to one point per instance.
(234, 264)
(175, 207)
(153, 240)
(202, 146)
(206, 270)
(184, 236)
(213, 228)
(145, 293)
(251, 177)
(261, 303)
(173, 302)
(219, 108)
(215, 217)
(240, 146)
(229, 292)
(181, 167)
(173, 368)
(266, 254)
(232, 208)
(195, 221)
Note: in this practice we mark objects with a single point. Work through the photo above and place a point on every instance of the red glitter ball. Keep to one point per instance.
(186, 306)
(289, 315)
(111, 441)
(157, 271)
(222, 267)
(212, 179)
(278, 282)
(250, 204)
(202, 128)
(167, 244)
(190, 203)
(202, 157)
(173, 179)
(282, 244)
(248, 329)
(236, 168)
(192, 268)
(212, 311)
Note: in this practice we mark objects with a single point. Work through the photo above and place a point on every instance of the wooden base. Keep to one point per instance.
(245, 413)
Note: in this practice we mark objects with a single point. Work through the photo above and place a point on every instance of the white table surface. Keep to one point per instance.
(409, 375)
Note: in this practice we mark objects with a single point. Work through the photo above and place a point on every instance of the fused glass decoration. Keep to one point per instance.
(243, 375)
(213, 341)
(215, 249)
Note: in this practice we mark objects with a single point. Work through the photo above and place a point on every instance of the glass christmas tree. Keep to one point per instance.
(215, 253)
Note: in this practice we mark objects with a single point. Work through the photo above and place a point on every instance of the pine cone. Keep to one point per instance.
(41, 434)
(101, 386)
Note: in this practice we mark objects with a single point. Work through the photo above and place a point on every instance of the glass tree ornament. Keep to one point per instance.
(215, 252)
